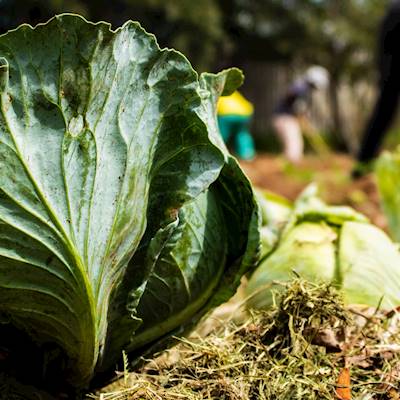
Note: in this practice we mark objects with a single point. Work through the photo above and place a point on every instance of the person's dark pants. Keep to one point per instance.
(381, 118)
(388, 98)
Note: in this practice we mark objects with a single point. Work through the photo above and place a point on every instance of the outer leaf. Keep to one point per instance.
(240, 208)
(96, 128)
(370, 266)
(183, 270)
(196, 266)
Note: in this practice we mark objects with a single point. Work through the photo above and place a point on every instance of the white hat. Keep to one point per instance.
(317, 76)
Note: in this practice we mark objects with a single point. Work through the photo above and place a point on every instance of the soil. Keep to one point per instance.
(332, 173)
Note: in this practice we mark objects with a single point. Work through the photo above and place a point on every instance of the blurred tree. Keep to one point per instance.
(16, 12)
(339, 35)
(194, 27)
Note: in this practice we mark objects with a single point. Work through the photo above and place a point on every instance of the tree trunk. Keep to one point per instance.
(342, 135)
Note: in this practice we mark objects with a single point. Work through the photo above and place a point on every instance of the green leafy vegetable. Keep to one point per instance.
(387, 170)
(331, 244)
(123, 218)
(275, 212)
(370, 265)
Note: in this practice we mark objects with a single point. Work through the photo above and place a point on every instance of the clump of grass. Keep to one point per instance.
(293, 351)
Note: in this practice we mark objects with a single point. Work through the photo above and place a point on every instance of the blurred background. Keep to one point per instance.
(274, 42)
(271, 40)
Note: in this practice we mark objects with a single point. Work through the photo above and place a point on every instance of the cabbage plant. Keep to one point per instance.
(123, 218)
(330, 244)
(387, 170)
(275, 211)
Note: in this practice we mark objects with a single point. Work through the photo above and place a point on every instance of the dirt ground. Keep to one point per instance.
(332, 173)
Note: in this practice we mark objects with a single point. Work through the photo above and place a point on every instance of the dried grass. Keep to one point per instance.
(293, 351)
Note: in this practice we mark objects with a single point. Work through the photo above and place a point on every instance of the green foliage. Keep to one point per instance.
(123, 219)
(331, 244)
(193, 27)
(387, 169)
(338, 35)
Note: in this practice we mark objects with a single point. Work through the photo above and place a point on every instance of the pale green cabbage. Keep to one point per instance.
(123, 218)
(275, 211)
(330, 244)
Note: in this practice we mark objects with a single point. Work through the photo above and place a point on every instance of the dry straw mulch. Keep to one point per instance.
(297, 350)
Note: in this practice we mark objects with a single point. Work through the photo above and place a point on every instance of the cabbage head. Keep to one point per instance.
(330, 244)
(275, 211)
(123, 218)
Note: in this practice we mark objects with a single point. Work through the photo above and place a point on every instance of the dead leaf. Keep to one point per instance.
(394, 395)
(343, 391)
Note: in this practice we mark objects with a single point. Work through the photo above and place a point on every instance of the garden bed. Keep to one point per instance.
(308, 347)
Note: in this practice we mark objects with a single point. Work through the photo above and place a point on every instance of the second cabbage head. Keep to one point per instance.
(330, 244)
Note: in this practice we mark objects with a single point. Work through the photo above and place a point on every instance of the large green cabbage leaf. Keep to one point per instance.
(370, 266)
(123, 218)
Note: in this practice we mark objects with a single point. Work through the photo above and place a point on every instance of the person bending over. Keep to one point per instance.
(288, 116)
